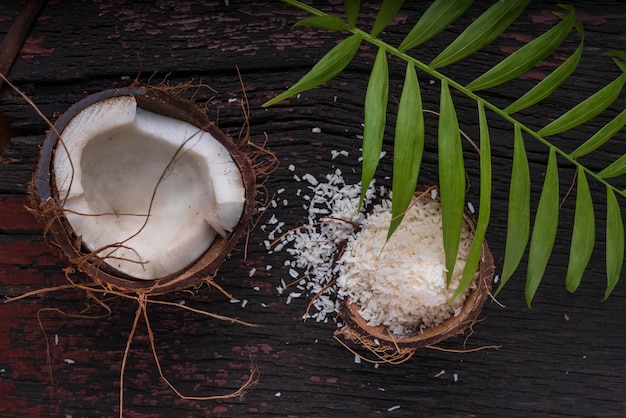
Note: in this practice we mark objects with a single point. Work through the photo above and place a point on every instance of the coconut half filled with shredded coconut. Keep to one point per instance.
(395, 295)
(140, 190)
(391, 298)
(402, 284)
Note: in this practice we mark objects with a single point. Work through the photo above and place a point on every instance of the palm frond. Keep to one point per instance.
(408, 142)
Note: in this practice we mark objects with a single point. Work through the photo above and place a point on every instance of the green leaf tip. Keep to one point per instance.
(451, 178)
(481, 32)
(329, 66)
(408, 147)
(375, 118)
(387, 11)
(328, 22)
(526, 57)
(518, 218)
(583, 234)
(544, 229)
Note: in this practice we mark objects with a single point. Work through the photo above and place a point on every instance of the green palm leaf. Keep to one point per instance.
(375, 119)
(617, 168)
(544, 229)
(408, 147)
(328, 22)
(387, 11)
(547, 86)
(435, 19)
(607, 132)
(329, 66)
(409, 136)
(526, 57)
(352, 11)
(481, 32)
(587, 109)
(614, 242)
(518, 224)
(451, 178)
(583, 236)
(473, 257)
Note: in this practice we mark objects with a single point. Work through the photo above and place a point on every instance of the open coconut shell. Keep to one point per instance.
(388, 348)
(48, 206)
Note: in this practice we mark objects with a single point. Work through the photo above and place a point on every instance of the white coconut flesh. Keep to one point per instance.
(118, 163)
(402, 284)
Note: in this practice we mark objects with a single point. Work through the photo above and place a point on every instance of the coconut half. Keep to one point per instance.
(143, 188)
(415, 296)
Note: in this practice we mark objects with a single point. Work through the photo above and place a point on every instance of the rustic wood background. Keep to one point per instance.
(564, 357)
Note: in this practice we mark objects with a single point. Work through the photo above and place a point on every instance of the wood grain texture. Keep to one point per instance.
(565, 357)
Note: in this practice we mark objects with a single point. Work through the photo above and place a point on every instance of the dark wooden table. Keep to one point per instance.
(564, 357)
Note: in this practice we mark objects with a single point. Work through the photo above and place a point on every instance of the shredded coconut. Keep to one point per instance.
(400, 285)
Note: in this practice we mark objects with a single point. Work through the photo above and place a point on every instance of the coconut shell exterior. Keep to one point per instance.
(379, 340)
(61, 237)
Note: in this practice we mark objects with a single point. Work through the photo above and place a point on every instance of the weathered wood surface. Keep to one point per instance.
(564, 357)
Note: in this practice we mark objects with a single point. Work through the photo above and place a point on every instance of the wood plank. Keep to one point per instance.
(563, 357)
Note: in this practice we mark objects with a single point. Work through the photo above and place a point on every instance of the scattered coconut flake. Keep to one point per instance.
(455, 376)
(441, 373)
(235, 301)
(381, 389)
(393, 408)
(312, 248)
(251, 272)
(316, 130)
(263, 305)
(376, 365)
(357, 359)
(256, 288)
(244, 303)
(69, 361)
(298, 96)
(470, 207)
(277, 394)
(56, 339)
(312, 180)
(335, 99)
(496, 279)
(181, 302)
